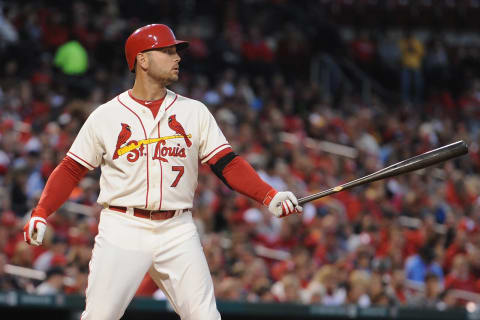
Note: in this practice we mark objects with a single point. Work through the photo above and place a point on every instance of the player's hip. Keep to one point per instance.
(136, 233)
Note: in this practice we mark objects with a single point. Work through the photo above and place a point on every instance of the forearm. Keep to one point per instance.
(244, 179)
(239, 175)
(59, 186)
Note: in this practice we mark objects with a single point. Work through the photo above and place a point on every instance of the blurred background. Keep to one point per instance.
(312, 94)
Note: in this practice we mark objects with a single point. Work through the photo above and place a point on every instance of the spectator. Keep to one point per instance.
(79, 283)
(431, 296)
(325, 289)
(389, 53)
(54, 255)
(448, 300)
(22, 255)
(293, 53)
(72, 59)
(357, 289)
(397, 286)
(437, 65)
(287, 289)
(461, 277)
(418, 265)
(412, 54)
(457, 247)
(229, 289)
(257, 53)
(53, 283)
(363, 50)
(7, 282)
(8, 33)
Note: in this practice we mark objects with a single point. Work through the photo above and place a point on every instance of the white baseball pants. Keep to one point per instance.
(127, 247)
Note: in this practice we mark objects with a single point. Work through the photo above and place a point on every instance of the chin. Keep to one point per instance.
(171, 80)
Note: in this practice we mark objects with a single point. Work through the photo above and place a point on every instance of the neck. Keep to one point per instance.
(148, 89)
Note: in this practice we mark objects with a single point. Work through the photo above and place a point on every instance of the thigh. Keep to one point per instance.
(115, 274)
(182, 272)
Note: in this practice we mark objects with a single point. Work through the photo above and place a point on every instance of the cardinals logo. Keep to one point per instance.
(177, 127)
(135, 149)
(123, 137)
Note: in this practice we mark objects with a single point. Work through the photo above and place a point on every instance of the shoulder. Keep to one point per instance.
(192, 102)
(107, 109)
(192, 105)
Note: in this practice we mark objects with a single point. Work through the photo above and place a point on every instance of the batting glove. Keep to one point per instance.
(283, 204)
(34, 230)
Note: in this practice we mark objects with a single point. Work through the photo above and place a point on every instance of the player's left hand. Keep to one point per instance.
(283, 204)
(34, 230)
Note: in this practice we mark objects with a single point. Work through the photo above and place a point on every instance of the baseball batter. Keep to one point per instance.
(148, 142)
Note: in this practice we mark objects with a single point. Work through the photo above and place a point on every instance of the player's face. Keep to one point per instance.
(164, 64)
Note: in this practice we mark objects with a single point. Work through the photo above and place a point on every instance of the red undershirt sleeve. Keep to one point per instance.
(60, 184)
(242, 178)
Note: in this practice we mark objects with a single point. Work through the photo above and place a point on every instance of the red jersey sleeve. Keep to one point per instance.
(60, 184)
(242, 178)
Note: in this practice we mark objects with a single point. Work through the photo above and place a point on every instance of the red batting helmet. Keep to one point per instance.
(150, 37)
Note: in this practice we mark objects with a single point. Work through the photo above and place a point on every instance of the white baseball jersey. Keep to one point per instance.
(148, 163)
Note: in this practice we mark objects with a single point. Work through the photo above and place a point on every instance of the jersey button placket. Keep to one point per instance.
(156, 176)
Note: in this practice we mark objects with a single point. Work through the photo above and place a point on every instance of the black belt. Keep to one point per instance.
(148, 214)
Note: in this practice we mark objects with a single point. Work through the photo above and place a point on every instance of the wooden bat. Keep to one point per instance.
(418, 162)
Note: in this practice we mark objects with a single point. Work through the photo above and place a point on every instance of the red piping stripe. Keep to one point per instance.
(225, 144)
(145, 133)
(161, 172)
(81, 159)
(172, 102)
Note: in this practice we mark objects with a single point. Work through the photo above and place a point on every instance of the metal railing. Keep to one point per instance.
(330, 73)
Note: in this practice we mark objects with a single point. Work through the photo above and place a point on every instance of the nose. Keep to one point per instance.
(177, 57)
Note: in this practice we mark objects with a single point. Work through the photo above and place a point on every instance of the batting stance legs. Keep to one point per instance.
(126, 247)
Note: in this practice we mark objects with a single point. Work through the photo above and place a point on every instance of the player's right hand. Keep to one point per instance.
(34, 230)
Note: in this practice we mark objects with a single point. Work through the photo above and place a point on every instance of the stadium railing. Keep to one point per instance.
(69, 306)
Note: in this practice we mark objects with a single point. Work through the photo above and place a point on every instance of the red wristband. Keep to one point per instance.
(268, 198)
(40, 212)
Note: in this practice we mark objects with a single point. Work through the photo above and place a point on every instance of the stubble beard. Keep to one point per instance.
(171, 80)
(168, 79)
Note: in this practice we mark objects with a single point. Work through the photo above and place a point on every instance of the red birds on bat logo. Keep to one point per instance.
(177, 127)
(123, 137)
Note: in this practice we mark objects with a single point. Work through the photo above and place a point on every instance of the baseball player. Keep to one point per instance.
(148, 142)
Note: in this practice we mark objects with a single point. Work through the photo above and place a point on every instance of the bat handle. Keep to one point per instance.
(324, 193)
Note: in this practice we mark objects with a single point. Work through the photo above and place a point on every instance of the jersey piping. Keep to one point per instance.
(81, 160)
(161, 167)
(211, 152)
(145, 133)
(176, 96)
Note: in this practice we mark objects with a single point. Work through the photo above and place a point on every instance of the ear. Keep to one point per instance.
(143, 60)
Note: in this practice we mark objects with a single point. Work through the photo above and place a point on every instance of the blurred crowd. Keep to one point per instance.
(408, 240)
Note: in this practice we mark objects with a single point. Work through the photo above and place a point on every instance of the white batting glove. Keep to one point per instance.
(34, 231)
(283, 204)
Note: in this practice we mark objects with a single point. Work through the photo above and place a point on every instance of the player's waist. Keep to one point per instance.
(148, 214)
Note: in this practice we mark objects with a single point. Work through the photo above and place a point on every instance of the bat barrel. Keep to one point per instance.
(418, 162)
(421, 161)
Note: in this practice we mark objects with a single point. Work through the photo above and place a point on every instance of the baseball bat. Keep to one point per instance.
(423, 160)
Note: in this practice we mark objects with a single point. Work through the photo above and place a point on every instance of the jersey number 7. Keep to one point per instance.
(180, 170)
